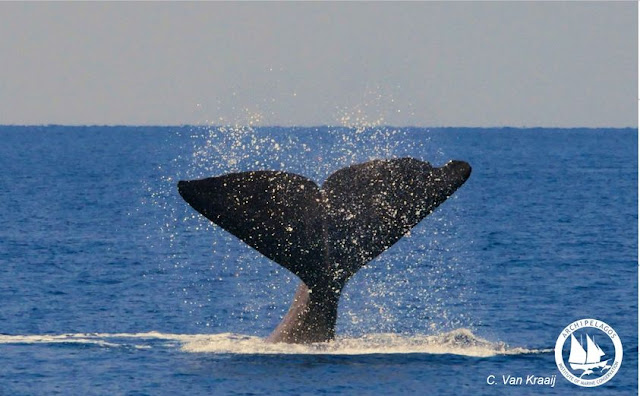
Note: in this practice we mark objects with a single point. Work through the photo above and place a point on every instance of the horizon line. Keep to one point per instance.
(306, 126)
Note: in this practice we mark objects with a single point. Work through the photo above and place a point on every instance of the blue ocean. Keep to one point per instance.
(110, 284)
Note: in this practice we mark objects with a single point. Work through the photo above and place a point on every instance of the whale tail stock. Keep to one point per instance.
(324, 235)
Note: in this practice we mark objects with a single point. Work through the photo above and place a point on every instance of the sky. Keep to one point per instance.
(520, 64)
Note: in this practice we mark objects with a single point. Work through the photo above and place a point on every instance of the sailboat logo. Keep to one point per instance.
(588, 364)
(588, 360)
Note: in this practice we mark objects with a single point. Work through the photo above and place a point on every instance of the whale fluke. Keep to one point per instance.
(324, 235)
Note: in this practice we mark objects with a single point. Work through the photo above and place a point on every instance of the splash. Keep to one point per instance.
(460, 342)
(419, 282)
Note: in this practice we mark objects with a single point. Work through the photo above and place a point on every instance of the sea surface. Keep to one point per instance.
(110, 284)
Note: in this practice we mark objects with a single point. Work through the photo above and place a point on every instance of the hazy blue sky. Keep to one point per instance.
(427, 64)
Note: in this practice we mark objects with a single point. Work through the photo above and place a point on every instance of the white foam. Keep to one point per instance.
(55, 339)
(457, 342)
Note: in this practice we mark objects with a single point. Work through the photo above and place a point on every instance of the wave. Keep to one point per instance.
(457, 342)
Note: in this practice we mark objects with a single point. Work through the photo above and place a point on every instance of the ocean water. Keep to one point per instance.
(110, 284)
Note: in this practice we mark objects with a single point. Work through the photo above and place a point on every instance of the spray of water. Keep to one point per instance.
(419, 286)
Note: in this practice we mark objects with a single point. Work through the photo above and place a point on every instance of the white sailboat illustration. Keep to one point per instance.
(586, 361)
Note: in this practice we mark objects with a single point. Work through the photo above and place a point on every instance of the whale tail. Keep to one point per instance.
(325, 235)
